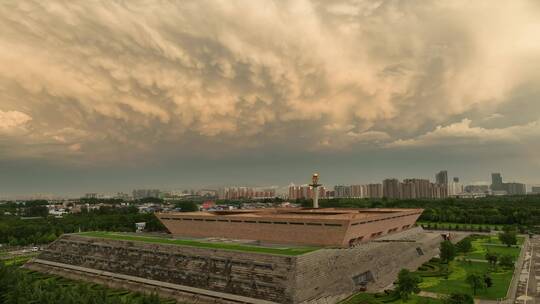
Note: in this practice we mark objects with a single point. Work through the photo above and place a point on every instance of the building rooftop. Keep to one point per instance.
(335, 227)
(233, 245)
(306, 213)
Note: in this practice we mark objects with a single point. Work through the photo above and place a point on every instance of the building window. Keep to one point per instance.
(361, 280)
(419, 251)
(356, 241)
(392, 230)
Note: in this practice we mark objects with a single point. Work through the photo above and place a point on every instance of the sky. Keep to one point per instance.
(107, 96)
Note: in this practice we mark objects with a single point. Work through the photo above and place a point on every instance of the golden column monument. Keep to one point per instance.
(315, 184)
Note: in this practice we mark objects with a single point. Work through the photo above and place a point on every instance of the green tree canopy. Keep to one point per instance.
(476, 282)
(492, 258)
(186, 206)
(458, 298)
(508, 237)
(407, 284)
(464, 245)
(447, 251)
(506, 261)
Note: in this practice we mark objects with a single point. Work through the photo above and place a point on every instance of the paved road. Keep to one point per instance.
(528, 290)
(534, 276)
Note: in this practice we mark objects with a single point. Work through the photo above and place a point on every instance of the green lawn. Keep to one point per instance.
(494, 239)
(458, 271)
(434, 273)
(492, 244)
(124, 295)
(18, 260)
(225, 246)
(418, 300)
(368, 298)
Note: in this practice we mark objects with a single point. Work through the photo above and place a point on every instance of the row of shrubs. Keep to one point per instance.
(433, 268)
(458, 227)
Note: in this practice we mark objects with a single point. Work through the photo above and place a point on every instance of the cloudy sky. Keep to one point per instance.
(100, 96)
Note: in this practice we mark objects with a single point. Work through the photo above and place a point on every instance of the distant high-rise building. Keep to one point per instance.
(305, 192)
(144, 193)
(438, 190)
(455, 188)
(233, 193)
(342, 191)
(441, 178)
(422, 187)
(322, 192)
(535, 190)
(500, 187)
(391, 188)
(373, 191)
(477, 189)
(121, 195)
(358, 191)
(496, 182)
(408, 190)
(515, 188)
(91, 195)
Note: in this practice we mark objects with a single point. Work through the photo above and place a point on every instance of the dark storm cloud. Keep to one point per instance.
(123, 82)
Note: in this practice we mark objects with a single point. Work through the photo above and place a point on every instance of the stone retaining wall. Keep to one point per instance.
(322, 276)
(262, 276)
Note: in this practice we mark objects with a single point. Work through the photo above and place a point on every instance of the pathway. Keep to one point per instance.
(528, 289)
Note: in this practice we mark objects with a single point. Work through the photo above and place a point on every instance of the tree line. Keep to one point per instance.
(504, 210)
(17, 231)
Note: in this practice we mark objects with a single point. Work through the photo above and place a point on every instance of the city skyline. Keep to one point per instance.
(112, 96)
(389, 187)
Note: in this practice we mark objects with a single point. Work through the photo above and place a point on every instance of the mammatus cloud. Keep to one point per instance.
(463, 133)
(105, 80)
(11, 121)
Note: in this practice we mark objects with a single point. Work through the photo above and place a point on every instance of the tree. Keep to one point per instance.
(488, 282)
(187, 206)
(36, 211)
(508, 236)
(407, 284)
(465, 245)
(448, 251)
(458, 298)
(492, 258)
(151, 200)
(476, 282)
(506, 261)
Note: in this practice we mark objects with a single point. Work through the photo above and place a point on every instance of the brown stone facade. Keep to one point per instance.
(319, 227)
(192, 274)
(251, 275)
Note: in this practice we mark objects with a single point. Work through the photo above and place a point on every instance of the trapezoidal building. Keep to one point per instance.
(263, 256)
(328, 227)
